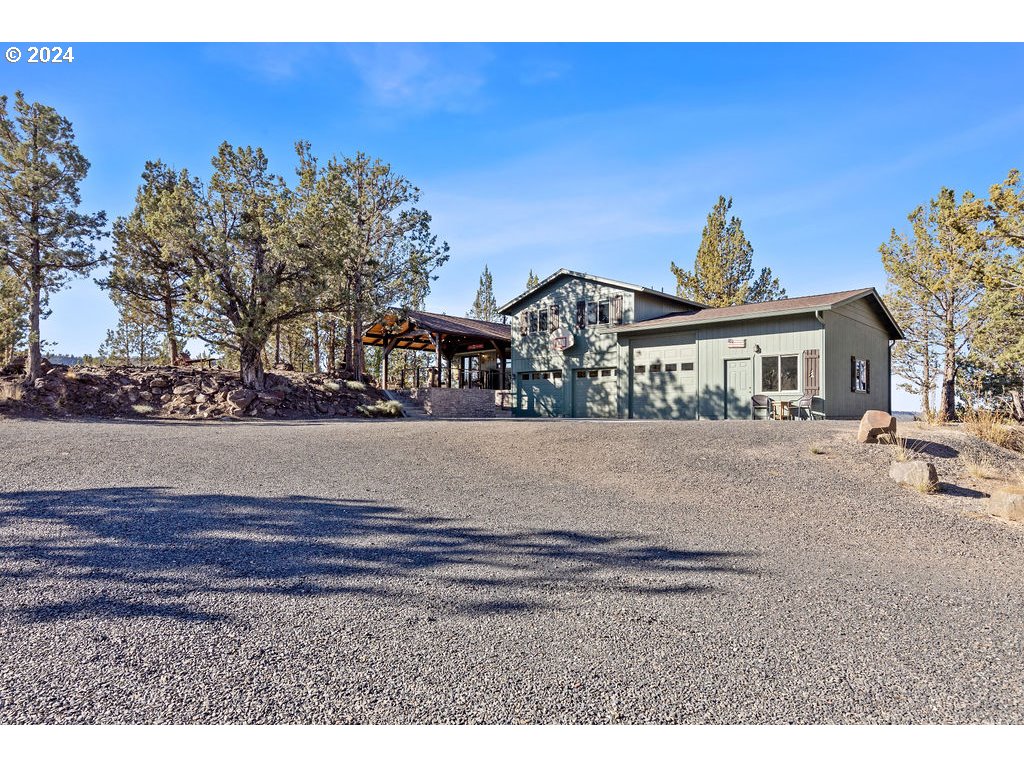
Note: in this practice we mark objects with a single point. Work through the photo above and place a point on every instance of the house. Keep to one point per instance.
(586, 346)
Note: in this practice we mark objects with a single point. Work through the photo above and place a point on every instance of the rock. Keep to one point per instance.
(146, 395)
(158, 382)
(166, 398)
(184, 389)
(915, 474)
(201, 398)
(240, 398)
(874, 424)
(1007, 503)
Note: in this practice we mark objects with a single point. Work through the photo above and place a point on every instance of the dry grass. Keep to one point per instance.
(817, 450)
(332, 386)
(143, 410)
(994, 428)
(979, 467)
(901, 447)
(925, 487)
(357, 386)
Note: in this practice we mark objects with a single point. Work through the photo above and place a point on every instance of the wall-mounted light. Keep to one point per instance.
(757, 349)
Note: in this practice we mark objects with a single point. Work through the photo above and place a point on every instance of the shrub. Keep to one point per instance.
(142, 409)
(386, 409)
(817, 450)
(358, 386)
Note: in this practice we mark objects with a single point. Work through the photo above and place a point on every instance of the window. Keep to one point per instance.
(860, 374)
(535, 375)
(591, 313)
(525, 376)
(779, 373)
(686, 366)
(542, 321)
(581, 313)
(670, 367)
(533, 322)
(546, 375)
(581, 374)
(556, 374)
(606, 371)
(603, 312)
(592, 374)
(639, 368)
(656, 368)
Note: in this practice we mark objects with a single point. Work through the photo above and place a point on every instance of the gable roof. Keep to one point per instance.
(507, 308)
(418, 328)
(795, 306)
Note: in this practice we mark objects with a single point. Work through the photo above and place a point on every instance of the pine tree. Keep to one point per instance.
(146, 272)
(935, 273)
(485, 306)
(13, 315)
(723, 272)
(532, 281)
(46, 238)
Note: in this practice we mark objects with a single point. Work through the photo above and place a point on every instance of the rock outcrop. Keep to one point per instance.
(181, 393)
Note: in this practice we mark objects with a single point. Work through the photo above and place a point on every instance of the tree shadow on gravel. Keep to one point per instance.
(151, 552)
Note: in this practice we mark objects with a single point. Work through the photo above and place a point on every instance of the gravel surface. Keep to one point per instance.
(512, 571)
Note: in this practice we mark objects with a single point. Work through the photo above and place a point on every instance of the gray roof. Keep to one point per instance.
(795, 306)
(508, 306)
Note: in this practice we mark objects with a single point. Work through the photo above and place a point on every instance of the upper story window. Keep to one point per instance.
(540, 320)
(599, 311)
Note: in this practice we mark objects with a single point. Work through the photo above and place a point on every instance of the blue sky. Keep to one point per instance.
(602, 158)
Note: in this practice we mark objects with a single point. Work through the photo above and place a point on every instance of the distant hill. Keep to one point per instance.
(64, 359)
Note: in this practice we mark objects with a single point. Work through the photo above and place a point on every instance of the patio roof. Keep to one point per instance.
(419, 330)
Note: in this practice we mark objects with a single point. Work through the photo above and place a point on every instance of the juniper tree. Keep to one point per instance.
(723, 273)
(254, 262)
(46, 238)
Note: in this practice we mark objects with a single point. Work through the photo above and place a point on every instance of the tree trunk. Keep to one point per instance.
(172, 341)
(316, 344)
(277, 344)
(926, 380)
(33, 363)
(948, 404)
(250, 364)
(331, 345)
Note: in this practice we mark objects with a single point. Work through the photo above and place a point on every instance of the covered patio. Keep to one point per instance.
(469, 353)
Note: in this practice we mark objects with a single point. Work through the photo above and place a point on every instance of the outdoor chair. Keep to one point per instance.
(762, 403)
(805, 404)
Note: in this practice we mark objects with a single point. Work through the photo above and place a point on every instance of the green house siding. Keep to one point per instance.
(593, 349)
(698, 372)
(775, 337)
(854, 330)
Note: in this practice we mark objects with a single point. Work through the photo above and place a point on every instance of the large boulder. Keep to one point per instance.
(240, 398)
(915, 474)
(1007, 503)
(874, 424)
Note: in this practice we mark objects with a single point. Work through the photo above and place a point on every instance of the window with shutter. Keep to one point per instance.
(867, 376)
(853, 373)
(523, 323)
(554, 320)
(581, 313)
(617, 310)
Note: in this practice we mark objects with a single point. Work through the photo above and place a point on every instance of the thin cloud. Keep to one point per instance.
(421, 78)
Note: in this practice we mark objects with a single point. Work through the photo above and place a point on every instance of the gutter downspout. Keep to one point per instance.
(822, 383)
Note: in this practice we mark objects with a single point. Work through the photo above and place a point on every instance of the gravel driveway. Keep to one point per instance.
(509, 571)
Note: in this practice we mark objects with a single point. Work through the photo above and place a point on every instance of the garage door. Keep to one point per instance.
(595, 393)
(539, 393)
(664, 377)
